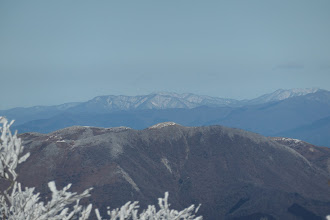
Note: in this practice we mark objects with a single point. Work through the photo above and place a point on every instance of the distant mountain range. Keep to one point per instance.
(161, 100)
(106, 104)
(233, 173)
(296, 113)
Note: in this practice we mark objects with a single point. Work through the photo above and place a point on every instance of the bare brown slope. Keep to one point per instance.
(233, 173)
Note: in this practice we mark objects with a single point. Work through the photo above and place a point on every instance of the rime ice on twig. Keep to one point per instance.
(130, 211)
(24, 204)
(10, 151)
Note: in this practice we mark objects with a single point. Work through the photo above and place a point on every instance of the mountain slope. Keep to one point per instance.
(234, 174)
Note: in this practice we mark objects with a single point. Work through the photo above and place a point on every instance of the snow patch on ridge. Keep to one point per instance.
(118, 129)
(166, 164)
(296, 141)
(162, 125)
(61, 141)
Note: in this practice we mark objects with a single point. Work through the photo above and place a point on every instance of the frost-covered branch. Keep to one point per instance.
(130, 211)
(25, 204)
(10, 151)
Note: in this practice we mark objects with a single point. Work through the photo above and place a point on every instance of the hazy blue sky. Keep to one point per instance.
(53, 52)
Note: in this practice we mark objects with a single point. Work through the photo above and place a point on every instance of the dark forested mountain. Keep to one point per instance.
(233, 173)
(296, 113)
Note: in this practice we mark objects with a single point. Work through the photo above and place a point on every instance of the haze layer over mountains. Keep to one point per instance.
(295, 113)
(233, 173)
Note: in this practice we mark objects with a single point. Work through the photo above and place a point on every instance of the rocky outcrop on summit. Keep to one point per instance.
(233, 173)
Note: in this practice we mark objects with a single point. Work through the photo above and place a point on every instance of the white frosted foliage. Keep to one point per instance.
(130, 211)
(24, 204)
(10, 150)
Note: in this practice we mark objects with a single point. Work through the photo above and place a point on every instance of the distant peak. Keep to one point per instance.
(282, 94)
(299, 90)
(162, 125)
(287, 93)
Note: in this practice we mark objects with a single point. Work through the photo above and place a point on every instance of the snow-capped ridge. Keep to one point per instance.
(156, 100)
(282, 94)
(162, 125)
(288, 93)
(171, 100)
